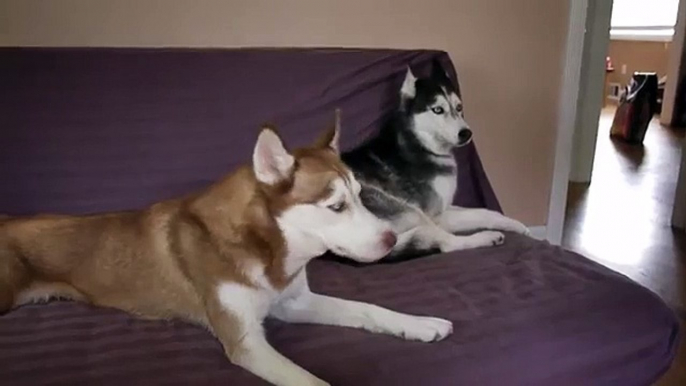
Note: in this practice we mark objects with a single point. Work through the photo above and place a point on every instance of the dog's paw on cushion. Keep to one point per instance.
(425, 329)
(476, 240)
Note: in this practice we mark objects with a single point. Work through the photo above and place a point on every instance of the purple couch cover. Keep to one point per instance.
(89, 130)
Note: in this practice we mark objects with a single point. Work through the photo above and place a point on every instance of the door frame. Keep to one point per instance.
(568, 104)
(676, 64)
(592, 89)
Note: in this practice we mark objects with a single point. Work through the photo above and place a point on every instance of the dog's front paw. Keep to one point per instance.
(511, 225)
(488, 239)
(426, 329)
(477, 240)
(517, 227)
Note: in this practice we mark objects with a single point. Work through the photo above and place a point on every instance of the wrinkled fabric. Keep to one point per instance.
(91, 130)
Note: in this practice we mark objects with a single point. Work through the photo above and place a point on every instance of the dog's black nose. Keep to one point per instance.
(464, 136)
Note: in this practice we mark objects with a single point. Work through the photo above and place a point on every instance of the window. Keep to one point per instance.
(644, 19)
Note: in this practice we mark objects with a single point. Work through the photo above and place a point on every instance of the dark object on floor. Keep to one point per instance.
(86, 130)
(636, 108)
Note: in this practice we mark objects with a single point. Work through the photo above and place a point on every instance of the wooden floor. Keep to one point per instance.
(622, 218)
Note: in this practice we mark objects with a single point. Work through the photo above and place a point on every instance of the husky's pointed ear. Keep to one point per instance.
(438, 73)
(271, 161)
(408, 90)
(330, 137)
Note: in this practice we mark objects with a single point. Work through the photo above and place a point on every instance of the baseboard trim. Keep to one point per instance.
(539, 232)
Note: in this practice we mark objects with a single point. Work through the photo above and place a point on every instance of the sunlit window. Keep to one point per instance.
(644, 19)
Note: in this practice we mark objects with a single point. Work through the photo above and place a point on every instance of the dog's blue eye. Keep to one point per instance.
(437, 110)
(337, 207)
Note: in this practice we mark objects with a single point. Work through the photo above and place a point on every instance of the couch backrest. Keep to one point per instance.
(90, 130)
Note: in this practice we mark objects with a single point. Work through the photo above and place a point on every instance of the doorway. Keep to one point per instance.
(622, 195)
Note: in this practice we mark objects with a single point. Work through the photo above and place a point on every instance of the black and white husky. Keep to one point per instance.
(409, 174)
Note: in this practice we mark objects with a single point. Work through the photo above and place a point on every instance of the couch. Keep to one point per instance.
(85, 130)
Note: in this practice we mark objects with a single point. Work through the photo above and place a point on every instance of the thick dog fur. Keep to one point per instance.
(408, 173)
(224, 258)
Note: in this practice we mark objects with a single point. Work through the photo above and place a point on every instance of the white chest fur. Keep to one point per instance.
(446, 185)
(249, 305)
